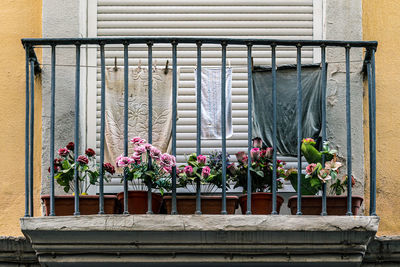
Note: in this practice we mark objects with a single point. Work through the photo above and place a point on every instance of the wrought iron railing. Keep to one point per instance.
(369, 61)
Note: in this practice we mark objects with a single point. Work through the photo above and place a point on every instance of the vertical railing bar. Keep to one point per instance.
(370, 105)
(32, 136)
(274, 130)
(373, 138)
(52, 126)
(77, 110)
(126, 103)
(348, 131)
(27, 48)
(250, 123)
(323, 85)
(223, 122)
(150, 120)
(102, 127)
(174, 117)
(299, 128)
(198, 113)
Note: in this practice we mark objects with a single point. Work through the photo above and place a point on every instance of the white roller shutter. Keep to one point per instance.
(283, 19)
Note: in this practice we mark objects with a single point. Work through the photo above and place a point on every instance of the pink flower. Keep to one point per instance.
(148, 146)
(90, 152)
(124, 161)
(63, 152)
(267, 153)
(137, 141)
(188, 170)
(311, 168)
(240, 156)
(324, 175)
(155, 153)
(166, 160)
(137, 158)
(257, 142)
(201, 159)
(255, 153)
(82, 159)
(205, 172)
(108, 167)
(173, 160)
(167, 169)
(140, 149)
(71, 146)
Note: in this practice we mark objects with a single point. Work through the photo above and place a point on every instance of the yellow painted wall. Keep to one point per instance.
(381, 22)
(18, 19)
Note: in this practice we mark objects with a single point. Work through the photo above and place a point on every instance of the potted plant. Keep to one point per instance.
(146, 167)
(208, 171)
(88, 174)
(261, 171)
(317, 175)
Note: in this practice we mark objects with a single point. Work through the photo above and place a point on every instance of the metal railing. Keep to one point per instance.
(369, 61)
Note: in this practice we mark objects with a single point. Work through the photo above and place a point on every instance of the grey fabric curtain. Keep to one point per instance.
(286, 105)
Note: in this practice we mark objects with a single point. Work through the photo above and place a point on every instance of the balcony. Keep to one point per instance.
(201, 239)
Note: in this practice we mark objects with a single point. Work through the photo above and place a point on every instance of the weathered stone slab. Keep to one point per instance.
(207, 240)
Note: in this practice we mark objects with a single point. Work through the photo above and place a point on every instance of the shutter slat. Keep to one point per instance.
(283, 17)
(203, 2)
(153, 9)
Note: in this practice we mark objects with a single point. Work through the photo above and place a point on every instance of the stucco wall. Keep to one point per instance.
(18, 19)
(344, 22)
(60, 19)
(381, 22)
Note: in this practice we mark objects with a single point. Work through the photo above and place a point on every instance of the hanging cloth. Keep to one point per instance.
(211, 103)
(137, 109)
(286, 87)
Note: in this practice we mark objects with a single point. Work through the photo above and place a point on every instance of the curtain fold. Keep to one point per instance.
(137, 109)
(286, 106)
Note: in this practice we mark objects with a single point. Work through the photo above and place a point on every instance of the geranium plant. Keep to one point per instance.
(205, 169)
(147, 166)
(318, 174)
(88, 170)
(261, 169)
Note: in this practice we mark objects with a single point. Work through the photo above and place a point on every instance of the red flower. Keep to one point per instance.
(108, 167)
(63, 152)
(82, 159)
(71, 146)
(90, 152)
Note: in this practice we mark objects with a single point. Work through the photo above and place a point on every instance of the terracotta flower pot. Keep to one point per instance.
(261, 203)
(335, 205)
(209, 204)
(88, 205)
(137, 202)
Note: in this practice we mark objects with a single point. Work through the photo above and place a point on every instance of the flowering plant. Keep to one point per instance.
(147, 166)
(206, 169)
(64, 169)
(261, 169)
(317, 174)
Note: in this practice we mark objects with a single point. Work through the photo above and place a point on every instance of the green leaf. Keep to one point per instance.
(315, 182)
(66, 164)
(66, 189)
(306, 188)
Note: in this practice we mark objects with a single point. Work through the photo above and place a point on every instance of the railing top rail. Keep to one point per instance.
(231, 41)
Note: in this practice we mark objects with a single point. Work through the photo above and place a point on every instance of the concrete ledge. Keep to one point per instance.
(16, 251)
(383, 251)
(212, 240)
